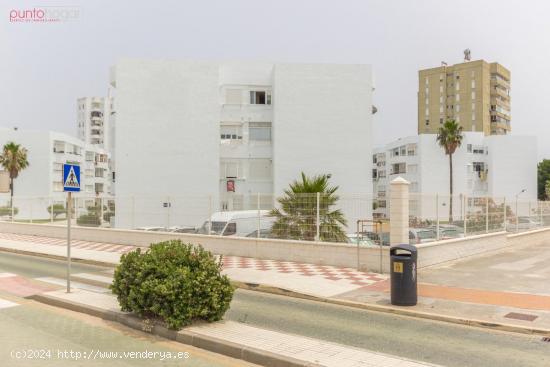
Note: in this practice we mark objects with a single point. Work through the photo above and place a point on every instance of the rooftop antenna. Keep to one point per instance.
(467, 55)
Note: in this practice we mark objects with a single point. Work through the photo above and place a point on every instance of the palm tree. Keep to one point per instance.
(14, 160)
(450, 138)
(297, 217)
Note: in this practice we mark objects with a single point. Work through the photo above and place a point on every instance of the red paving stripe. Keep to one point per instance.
(23, 287)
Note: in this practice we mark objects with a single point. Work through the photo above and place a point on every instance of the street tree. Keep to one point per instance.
(450, 138)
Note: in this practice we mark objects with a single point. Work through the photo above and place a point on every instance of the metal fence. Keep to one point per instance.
(356, 219)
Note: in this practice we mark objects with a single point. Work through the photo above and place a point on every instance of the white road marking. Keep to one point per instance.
(6, 304)
(87, 287)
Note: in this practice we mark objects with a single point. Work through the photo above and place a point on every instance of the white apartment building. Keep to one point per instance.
(92, 116)
(496, 166)
(199, 137)
(41, 181)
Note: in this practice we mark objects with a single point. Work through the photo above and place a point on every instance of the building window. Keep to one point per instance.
(259, 131)
(457, 108)
(59, 147)
(473, 95)
(398, 168)
(457, 97)
(411, 149)
(260, 97)
(469, 148)
(473, 84)
(403, 150)
(413, 168)
(98, 187)
(230, 132)
(473, 116)
(457, 85)
(427, 112)
(427, 122)
(229, 169)
(441, 120)
(233, 96)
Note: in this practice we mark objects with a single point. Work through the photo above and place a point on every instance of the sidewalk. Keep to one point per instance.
(477, 299)
(234, 339)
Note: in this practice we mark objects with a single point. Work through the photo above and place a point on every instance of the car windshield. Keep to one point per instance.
(217, 227)
(426, 234)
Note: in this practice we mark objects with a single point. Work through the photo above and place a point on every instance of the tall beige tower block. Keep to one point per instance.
(399, 211)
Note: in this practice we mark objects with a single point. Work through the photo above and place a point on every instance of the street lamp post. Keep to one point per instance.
(517, 216)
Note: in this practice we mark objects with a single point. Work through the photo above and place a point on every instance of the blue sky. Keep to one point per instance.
(45, 67)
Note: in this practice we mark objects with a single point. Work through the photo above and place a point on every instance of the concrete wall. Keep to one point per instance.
(322, 125)
(167, 136)
(321, 253)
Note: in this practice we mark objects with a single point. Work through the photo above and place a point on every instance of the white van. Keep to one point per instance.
(237, 223)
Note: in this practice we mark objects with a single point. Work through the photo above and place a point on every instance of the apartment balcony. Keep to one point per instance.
(500, 92)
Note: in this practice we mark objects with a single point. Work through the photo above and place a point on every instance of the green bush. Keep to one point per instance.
(174, 281)
(107, 216)
(6, 210)
(88, 220)
(57, 209)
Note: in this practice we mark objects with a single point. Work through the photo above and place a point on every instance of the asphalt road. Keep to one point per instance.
(423, 340)
(34, 334)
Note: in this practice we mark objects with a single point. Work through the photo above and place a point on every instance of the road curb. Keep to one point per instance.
(396, 310)
(215, 345)
(371, 307)
(59, 257)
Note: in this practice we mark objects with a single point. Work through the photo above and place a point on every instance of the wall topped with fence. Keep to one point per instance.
(345, 218)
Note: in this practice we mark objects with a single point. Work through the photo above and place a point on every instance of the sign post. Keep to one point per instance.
(71, 183)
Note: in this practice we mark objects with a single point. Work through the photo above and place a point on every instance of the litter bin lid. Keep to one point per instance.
(405, 247)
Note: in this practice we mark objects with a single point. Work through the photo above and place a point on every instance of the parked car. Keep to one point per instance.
(421, 235)
(237, 223)
(448, 231)
(185, 229)
(523, 224)
(377, 238)
(153, 229)
(360, 239)
(264, 233)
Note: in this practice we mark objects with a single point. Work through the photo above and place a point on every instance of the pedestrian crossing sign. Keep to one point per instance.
(71, 177)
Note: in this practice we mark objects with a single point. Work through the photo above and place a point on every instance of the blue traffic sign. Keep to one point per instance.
(71, 177)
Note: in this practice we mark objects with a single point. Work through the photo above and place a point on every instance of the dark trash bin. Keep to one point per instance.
(403, 275)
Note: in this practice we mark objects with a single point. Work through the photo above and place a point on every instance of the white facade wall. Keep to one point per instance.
(166, 141)
(322, 125)
(509, 164)
(41, 182)
(180, 114)
(93, 120)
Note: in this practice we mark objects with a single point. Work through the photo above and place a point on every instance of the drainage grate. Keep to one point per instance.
(521, 316)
